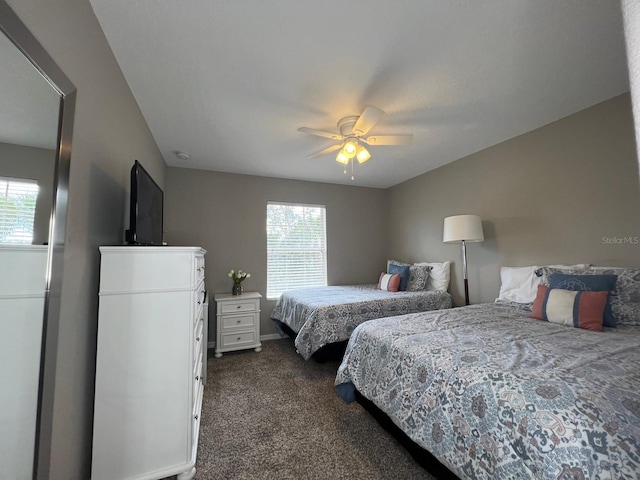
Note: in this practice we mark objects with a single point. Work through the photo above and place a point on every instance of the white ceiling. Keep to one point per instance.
(230, 82)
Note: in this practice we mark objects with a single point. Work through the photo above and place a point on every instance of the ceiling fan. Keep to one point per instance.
(352, 137)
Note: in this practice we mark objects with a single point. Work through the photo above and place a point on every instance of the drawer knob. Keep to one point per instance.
(197, 378)
(239, 338)
(197, 339)
(238, 321)
(238, 306)
(196, 417)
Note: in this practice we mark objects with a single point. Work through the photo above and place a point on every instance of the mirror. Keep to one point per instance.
(36, 117)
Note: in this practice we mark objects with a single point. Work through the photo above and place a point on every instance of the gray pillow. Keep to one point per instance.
(418, 276)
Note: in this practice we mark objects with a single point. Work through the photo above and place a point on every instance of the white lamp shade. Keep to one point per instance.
(463, 227)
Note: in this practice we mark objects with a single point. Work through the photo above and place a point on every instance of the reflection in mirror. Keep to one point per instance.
(33, 180)
(28, 137)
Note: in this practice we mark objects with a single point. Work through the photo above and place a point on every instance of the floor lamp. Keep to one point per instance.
(462, 229)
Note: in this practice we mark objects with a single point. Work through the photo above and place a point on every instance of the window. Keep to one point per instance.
(17, 209)
(296, 247)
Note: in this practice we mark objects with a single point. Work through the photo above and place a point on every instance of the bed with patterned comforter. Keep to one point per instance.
(494, 394)
(324, 315)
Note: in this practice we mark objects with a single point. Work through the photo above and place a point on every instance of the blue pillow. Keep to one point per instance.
(403, 271)
(588, 283)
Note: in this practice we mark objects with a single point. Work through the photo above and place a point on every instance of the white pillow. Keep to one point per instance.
(520, 284)
(439, 275)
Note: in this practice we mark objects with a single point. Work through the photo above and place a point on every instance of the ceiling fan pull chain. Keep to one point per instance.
(352, 177)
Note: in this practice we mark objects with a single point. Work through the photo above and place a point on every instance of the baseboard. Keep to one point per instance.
(271, 336)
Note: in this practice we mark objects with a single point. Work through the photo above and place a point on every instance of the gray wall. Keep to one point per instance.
(35, 164)
(548, 196)
(226, 214)
(109, 134)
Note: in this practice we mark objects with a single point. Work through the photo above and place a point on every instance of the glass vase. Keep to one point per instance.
(237, 289)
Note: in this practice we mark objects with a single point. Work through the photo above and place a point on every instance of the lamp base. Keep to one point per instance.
(466, 291)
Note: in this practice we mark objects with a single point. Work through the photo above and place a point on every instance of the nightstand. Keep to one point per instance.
(237, 322)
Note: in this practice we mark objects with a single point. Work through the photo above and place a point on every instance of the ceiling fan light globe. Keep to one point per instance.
(342, 157)
(350, 149)
(362, 154)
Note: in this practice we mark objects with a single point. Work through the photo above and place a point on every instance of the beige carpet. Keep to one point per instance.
(271, 415)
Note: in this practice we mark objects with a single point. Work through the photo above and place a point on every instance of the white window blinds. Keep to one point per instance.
(18, 198)
(296, 247)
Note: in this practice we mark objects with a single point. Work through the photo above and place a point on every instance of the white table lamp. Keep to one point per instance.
(462, 229)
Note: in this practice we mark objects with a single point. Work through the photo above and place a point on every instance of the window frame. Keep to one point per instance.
(323, 250)
(27, 186)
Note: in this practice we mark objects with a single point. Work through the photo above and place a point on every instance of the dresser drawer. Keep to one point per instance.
(234, 322)
(239, 306)
(199, 269)
(133, 269)
(195, 419)
(197, 376)
(199, 314)
(198, 332)
(238, 339)
(198, 342)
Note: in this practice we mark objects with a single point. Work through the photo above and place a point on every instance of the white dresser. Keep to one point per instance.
(22, 284)
(238, 322)
(151, 360)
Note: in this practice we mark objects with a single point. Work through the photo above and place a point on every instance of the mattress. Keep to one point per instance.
(325, 315)
(495, 394)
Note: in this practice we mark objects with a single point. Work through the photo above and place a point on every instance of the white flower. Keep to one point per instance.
(238, 275)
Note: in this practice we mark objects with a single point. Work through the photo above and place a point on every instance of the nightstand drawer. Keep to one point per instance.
(239, 306)
(238, 339)
(232, 322)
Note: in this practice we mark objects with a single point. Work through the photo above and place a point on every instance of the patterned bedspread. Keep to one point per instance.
(494, 394)
(326, 315)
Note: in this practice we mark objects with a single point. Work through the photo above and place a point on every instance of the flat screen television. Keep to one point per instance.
(146, 209)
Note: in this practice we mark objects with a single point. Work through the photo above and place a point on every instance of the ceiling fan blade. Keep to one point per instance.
(367, 120)
(320, 133)
(330, 149)
(389, 140)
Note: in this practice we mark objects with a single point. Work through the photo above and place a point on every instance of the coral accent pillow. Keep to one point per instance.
(389, 282)
(568, 307)
(588, 283)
